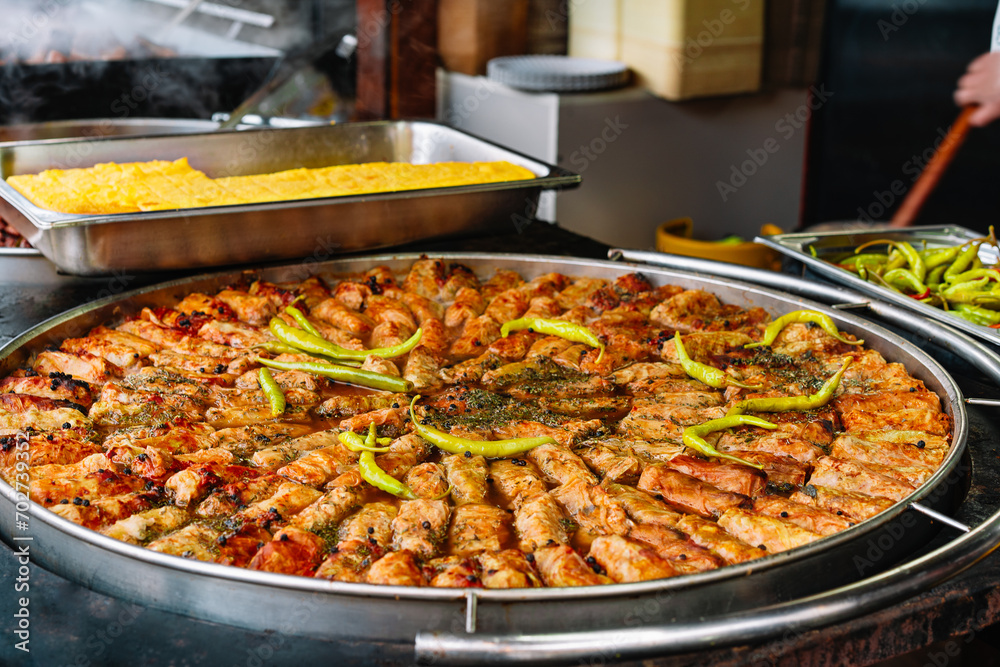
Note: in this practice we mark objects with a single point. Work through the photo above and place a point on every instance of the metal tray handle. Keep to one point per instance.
(973, 351)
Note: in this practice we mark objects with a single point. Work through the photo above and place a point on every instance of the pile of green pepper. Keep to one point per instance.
(331, 360)
(952, 278)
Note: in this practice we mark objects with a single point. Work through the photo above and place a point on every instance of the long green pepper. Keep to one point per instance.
(343, 374)
(940, 256)
(356, 443)
(965, 292)
(905, 279)
(272, 391)
(312, 344)
(709, 375)
(303, 321)
(566, 330)
(694, 436)
(491, 449)
(277, 347)
(935, 276)
(861, 260)
(973, 274)
(905, 256)
(801, 316)
(963, 261)
(787, 403)
(977, 314)
(380, 479)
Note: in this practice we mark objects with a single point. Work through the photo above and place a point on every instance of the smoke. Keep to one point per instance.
(77, 59)
(66, 59)
(56, 31)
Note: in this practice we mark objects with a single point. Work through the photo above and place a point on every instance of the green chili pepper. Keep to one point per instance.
(694, 436)
(493, 449)
(866, 259)
(566, 330)
(300, 317)
(974, 274)
(940, 256)
(277, 347)
(905, 279)
(369, 470)
(710, 375)
(311, 344)
(272, 391)
(356, 443)
(936, 275)
(372, 438)
(879, 280)
(380, 479)
(343, 374)
(977, 314)
(913, 260)
(904, 255)
(990, 300)
(786, 403)
(963, 261)
(965, 292)
(801, 316)
(896, 261)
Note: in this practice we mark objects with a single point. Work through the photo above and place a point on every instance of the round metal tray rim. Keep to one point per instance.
(367, 590)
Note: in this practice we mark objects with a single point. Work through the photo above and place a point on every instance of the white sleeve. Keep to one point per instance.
(995, 35)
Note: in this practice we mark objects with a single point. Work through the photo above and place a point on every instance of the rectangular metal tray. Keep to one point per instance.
(310, 228)
(831, 244)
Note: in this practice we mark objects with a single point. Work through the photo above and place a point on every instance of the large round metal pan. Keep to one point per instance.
(391, 617)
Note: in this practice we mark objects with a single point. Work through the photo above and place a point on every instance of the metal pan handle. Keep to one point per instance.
(981, 356)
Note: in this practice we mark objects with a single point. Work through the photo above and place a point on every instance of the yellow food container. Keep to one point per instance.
(675, 237)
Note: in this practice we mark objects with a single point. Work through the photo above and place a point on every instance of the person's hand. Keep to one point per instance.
(981, 85)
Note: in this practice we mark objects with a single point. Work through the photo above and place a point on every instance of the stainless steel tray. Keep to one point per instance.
(391, 617)
(832, 244)
(314, 228)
